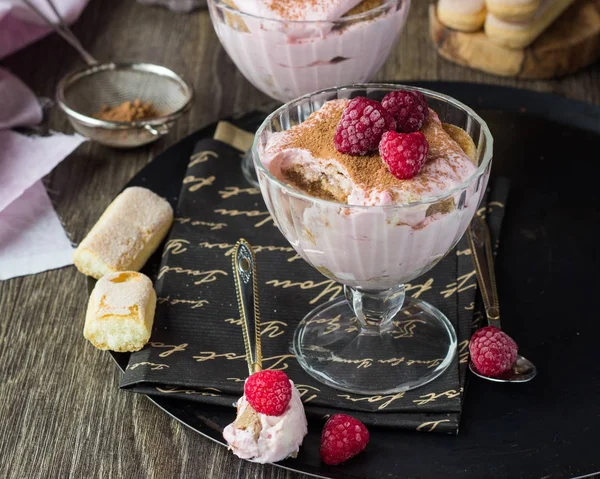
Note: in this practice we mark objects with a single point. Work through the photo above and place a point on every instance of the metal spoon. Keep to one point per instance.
(246, 287)
(481, 248)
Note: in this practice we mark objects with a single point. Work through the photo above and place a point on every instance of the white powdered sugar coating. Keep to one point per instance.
(126, 226)
(121, 293)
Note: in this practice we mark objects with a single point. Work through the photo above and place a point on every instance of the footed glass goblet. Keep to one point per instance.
(374, 339)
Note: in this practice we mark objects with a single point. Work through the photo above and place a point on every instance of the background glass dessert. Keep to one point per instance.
(285, 58)
(373, 251)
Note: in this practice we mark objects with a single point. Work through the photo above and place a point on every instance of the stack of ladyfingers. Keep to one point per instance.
(510, 23)
(121, 307)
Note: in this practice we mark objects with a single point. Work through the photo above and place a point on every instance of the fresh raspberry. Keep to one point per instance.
(361, 126)
(409, 109)
(343, 437)
(493, 352)
(404, 153)
(268, 392)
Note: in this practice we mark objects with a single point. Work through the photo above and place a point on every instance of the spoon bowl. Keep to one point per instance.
(478, 235)
(523, 370)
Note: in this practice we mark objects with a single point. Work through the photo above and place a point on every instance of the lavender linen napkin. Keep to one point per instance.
(32, 238)
(19, 26)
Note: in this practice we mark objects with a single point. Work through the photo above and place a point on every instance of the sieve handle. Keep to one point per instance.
(63, 30)
(160, 130)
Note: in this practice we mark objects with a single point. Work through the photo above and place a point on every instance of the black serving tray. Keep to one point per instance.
(547, 270)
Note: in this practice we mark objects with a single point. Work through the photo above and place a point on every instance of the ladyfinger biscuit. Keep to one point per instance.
(120, 312)
(520, 35)
(126, 234)
(463, 139)
(513, 10)
(234, 21)
(463, 15)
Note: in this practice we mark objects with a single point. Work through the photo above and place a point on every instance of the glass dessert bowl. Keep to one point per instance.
(375, 339)
(291, 48)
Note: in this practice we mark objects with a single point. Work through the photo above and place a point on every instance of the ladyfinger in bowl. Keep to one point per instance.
(127, 233)
(120, 312)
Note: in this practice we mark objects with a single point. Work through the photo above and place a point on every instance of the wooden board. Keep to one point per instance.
(571, 43)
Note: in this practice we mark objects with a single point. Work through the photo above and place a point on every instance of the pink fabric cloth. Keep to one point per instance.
(19, 26)
(19, 104)
(27, 159)
(32, 238)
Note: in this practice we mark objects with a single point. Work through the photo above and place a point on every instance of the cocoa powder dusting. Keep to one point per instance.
(295, 9)
(369, 172)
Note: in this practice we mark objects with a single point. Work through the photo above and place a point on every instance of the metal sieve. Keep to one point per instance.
(83, 93)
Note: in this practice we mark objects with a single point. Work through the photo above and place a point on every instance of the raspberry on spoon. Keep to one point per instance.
(268, 392)
(403, 153)
(409, 109)
(343, 437)
(493, 352)
(361, 126)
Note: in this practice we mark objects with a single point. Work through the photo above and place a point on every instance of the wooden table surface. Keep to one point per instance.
(62, 414)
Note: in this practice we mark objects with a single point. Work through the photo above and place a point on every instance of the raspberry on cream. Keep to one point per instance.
(362, 124)
(262, 438)
(409, 109)
(268, 392)
(403, 153)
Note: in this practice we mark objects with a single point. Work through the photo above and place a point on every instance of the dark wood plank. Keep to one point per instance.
(62, 412)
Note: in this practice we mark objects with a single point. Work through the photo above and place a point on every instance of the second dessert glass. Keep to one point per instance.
(374, 339)
(288, 58)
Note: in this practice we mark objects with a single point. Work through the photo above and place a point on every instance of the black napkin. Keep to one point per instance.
(196, 351)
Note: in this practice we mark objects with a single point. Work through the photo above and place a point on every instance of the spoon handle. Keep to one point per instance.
(481, 250)
(246, 287)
